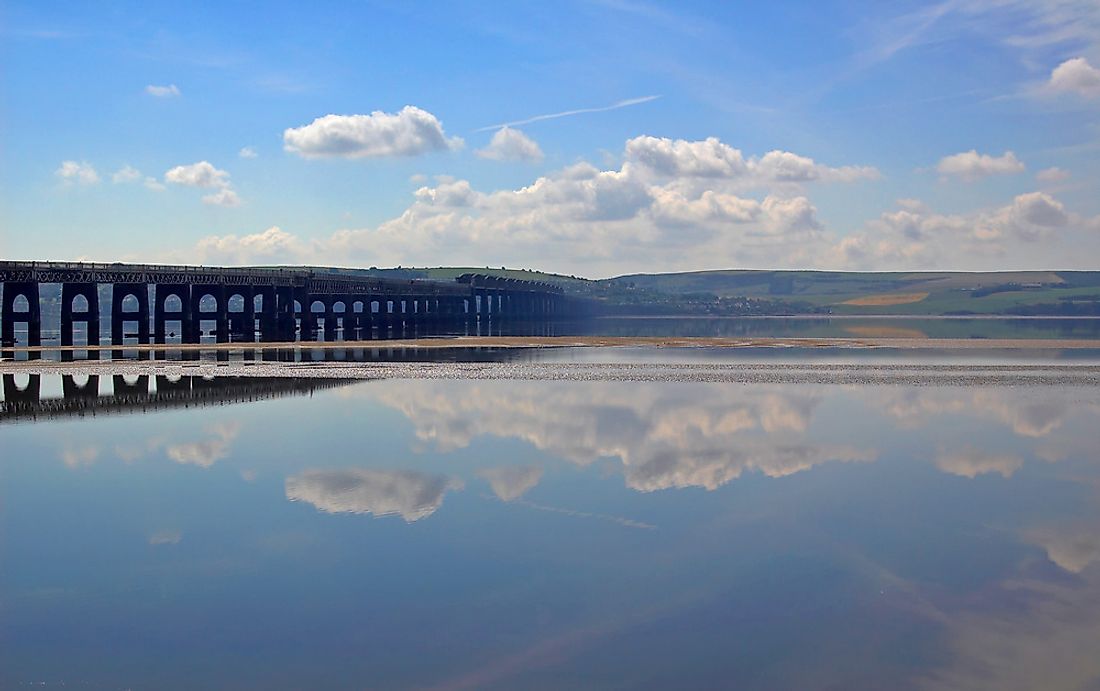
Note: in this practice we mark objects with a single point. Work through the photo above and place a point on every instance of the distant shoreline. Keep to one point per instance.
(902, 343)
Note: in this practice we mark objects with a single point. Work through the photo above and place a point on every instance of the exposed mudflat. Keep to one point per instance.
(794, 373)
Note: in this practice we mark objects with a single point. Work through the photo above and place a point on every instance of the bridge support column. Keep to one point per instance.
(69, 292)
(242, 324)
(28, 395)
(70, 389)
(119, 292)
(162, 315)
(139, 388)
(220, 315)
(32, 316)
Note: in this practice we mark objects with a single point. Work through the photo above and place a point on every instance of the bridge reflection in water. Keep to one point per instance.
(160, 303)
(93, 395)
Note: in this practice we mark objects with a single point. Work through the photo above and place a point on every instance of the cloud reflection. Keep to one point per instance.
(511, 482)
(405, 493)
(664, 436)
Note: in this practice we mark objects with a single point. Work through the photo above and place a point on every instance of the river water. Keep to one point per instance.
(181, 533)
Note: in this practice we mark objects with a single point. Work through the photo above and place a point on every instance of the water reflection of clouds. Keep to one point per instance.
(974, 462)
(208, 451)
(1036, 415)
(511, 482)
(664, 436)
(79, 455)
(214, 444)
(405, 493)
(1025, 634)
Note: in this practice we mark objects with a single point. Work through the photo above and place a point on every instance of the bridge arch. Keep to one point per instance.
(235, 303)
(173, 303)
(207, 302)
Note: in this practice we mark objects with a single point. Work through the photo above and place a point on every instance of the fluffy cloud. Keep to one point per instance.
(409, 132)
(202, 174)
(682, 205)
(971, 166)
(247, 152)
(709, 158)
(1054, 174)
(205, 176)
(1076, 76)
(168, 91)
(408, 494)
(271, 245)
(511, 482)
(126, 174)
(511, 145)
(915, 236)
(223, 197)
(81, 173)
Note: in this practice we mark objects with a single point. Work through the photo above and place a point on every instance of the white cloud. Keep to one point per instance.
(154, 184)
(970, 165)
(1054, 174)
(709, 158)
(223, 197)
(81, 173)
(205, 176)
(1000, 238)
(202, 174)
(405, 493)
(247, 152)
(680, 205)
(168, 91)
(409, 132)
(273, 244)
(511, 145)
(1077, 76)
(784, 166)
(126, 174)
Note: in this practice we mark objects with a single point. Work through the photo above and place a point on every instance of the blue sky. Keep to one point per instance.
(959, 135)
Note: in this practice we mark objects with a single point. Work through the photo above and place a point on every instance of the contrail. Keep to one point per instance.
(578, 111)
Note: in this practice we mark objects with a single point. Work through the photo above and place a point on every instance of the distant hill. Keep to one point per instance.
(915, 293)
(750, 292)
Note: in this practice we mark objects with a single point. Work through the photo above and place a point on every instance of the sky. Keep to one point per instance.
(593, 138)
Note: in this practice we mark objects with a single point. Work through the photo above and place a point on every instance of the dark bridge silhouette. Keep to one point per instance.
(144, 394)
(275, 304)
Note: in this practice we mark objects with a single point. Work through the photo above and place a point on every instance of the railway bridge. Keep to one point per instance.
(152, 302)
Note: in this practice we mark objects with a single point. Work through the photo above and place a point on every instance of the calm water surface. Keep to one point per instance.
(270, 534)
